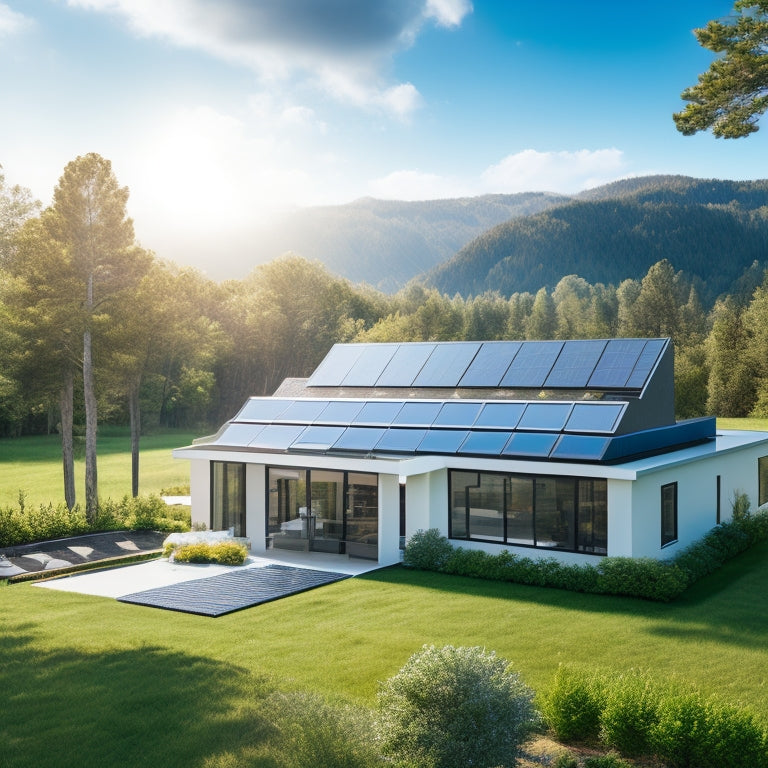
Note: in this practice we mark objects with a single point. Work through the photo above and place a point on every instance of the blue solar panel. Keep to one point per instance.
(276, 437)
(645, 363)
(376, 412)
(442, 440)
(490, 364)
(336, 365)
(401, 440)
(359, 439)
(262, 409)
(302, 411)
(317, 438)
(500, 415)
(616, 363)
(405, 365)
(532, 364)
(418, 414)
(487, 443)
(340, 412)
(594, 417)
(537, 444)
(369, 365)
(580, 447)
(547, 416)
(447, 364)
(238, 434)
(457, 414)
(575, 364)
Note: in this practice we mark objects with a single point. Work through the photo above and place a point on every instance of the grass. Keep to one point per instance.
(89, 681)
(33, 465)
(759, 425)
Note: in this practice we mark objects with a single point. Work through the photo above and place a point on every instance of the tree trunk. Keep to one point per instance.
(134, 411)
(67, 447)
(91, 421)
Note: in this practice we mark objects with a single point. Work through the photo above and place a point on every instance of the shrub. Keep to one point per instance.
(641, 577)
(611, 760)
(427, 550)
(572, 705)
(221, 552)
(453, 707)
(629, 713)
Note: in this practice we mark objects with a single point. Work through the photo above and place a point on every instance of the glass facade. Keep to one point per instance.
(668, 513)
(548, 512)
(323, 511)
(228, 497)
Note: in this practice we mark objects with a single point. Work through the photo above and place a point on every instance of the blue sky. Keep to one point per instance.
(219, 114)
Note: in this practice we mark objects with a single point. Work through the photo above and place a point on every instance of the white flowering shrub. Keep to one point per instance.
(454, 708)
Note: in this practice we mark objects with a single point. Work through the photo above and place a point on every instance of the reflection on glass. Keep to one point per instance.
(228, 497)
(362, 515)
(461, 483)
(520, 511)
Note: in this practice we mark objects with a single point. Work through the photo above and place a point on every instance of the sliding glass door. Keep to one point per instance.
(228, 497)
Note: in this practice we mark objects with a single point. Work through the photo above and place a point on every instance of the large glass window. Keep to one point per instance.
(668, 513)
(549, 512)
(762, 480)
(228, 497)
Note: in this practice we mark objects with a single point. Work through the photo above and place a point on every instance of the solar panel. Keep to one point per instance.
(442, 440)
(446, 365)
(501, 415)
(302, 411)
(488, 443)
(238, 434)
(594, 417)
(369, 365)
(401, 440)
(405, 365)
(359, 439)
(378, 412)
(317, 438)
(457, 414)
(532, 364)
(547, 416)
(645, 363)
(276, 437)
(490, 364)
(537, 444)
(575, 364)
(580, 447)
(336, 365)
(418, 414)
(340, 412)
(616, 363)
(262, 409)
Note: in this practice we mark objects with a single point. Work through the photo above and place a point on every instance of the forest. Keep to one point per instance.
(95, 329)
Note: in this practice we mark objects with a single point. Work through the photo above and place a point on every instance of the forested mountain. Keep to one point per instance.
(386, 243)
(712, 230)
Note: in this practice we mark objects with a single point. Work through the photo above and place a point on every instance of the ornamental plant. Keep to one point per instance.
(452, 708)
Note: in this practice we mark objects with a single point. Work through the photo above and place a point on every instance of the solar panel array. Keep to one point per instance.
(460, 427)
(615, 364)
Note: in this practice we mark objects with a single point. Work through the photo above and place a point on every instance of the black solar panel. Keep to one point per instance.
(580, 447)
(490, 364)
(575, 364)
(532, 364)
(446, 365)
(616, 363)
(535, 444)
(645, 363)
(594, 417)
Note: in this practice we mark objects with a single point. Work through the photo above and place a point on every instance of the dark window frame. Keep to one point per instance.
(669, 505)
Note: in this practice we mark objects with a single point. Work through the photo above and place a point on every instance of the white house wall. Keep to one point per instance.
(389, 519)
(200, 490)
(255, 494)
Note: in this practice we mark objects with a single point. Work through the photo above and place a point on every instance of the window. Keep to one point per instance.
(668, 513)
(762, 480)
(228, 497)
(547, 512)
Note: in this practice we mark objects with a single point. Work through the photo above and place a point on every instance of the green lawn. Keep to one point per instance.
(33, 465)
(760, 425)
(89, 681)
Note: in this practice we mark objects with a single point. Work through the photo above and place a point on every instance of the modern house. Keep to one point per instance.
(545, 448)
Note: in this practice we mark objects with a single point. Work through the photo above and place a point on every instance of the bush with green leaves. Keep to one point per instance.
(220, 552)
(611, 760)
(427, 550)
(572, 705)
(454, 707)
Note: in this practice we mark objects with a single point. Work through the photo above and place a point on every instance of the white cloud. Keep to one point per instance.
(340, 46)
(12, 22)
(565, 172)
(415, 185)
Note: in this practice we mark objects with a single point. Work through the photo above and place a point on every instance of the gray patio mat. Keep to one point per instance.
(217, 595)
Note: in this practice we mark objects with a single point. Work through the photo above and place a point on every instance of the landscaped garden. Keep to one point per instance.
(89, 681)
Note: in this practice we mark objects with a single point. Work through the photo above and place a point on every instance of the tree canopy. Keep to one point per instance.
(732, 94)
